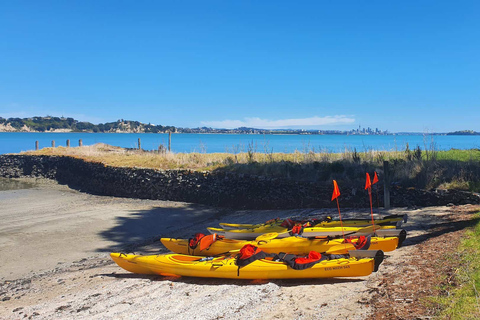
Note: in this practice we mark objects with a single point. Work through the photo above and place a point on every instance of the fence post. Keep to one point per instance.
(36, 145)
(53, 143)
(68, 143)
(386, 185)
(139, 144)
(80, 143)
(169, 141)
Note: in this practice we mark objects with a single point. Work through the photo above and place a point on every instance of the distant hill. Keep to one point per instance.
(464, 133)
(61, 124)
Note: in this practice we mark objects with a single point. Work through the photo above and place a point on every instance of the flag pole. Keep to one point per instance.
(371, 207)
(335, 195)
(341, 222)
(368, 186)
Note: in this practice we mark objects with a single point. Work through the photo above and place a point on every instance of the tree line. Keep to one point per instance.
(42, 124)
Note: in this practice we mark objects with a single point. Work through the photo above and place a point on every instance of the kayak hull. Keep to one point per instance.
(395, 220)
(294, 245)
(225, 267)
(250, 234)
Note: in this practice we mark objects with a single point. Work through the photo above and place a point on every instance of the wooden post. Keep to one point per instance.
(36, 145)
(386, 185)
(68, 143)
(80, 143)
(53, 143)
(139, 144)
(169, 141)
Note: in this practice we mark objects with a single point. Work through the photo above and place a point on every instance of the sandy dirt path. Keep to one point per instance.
(58, 240)
(51, 224)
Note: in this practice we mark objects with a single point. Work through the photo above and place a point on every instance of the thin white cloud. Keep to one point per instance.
(282, 123)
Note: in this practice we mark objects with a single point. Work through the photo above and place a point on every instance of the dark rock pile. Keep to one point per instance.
(211, 188)
(401, 197)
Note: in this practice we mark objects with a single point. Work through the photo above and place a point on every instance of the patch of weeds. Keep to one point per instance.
(460, 298)
(474, 186)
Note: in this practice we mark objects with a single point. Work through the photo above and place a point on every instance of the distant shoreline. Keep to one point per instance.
(258, 133)
(64, 125)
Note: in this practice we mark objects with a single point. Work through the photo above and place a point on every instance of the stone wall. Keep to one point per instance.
(210, 188)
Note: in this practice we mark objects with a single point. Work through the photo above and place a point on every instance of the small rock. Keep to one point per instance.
(83, 308)
(61, 308)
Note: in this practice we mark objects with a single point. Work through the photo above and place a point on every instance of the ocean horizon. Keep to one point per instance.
(15, 142)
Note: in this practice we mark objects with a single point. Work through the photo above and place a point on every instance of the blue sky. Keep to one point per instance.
(396, 65)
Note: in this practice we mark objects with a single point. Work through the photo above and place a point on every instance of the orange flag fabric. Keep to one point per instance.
(336, 191)
(375, 178)
(368, 183)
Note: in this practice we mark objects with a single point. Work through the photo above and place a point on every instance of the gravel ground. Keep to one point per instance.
(57, 242)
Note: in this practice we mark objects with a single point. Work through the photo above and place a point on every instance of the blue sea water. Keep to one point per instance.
(210, 143)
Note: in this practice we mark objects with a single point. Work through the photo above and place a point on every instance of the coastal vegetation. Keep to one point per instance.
(464, 133)
(460, 298)
(419, 168)
(44, 124)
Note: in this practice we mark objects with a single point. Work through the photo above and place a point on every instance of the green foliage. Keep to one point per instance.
(474, 186)
(84, 126)
(472, 155)
(463, 133)
(463, 299)
(17, 123)
(42, 124)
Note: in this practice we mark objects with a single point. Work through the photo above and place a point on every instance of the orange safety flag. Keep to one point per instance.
(375, 178)
(368, 183)
(336, 192)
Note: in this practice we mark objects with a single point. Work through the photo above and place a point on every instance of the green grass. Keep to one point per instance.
(463, 300)
(459, 155)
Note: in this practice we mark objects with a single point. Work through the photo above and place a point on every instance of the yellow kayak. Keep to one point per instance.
(250, 234)
(226, 267)
(388, 220)
(294, 245)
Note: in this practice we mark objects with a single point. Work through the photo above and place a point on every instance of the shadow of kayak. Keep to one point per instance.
(239, 282)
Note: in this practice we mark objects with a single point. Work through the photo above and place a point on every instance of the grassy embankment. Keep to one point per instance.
(462, 299)
(453, 169)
